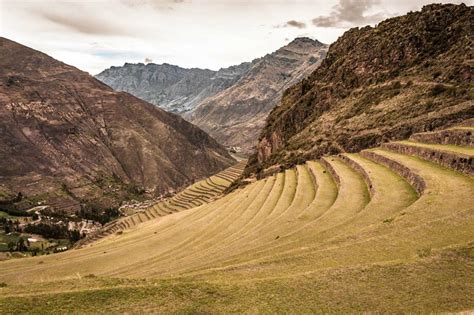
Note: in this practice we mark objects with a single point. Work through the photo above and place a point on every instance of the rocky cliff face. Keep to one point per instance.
(409, 74)
(68, 139)
(174, 89)
(236, 115)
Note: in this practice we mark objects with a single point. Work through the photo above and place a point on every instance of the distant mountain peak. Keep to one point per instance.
(171, 87)
(305, 41)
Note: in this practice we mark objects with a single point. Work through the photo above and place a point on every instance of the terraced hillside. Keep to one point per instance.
(388, 229)
(195, 195)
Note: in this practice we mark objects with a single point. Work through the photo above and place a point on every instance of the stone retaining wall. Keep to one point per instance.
(314, 178)
(359, 169)
(415, 180)
(331, 171)
(456, 161)
(462, 137)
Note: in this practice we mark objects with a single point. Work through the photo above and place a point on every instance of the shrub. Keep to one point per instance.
(436, 74)
(135, 189)
(389, 220)
(424, 252)
(437, 89)
(396, 85)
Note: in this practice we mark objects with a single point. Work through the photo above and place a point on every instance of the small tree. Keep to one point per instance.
(21, 245)
(11, 246)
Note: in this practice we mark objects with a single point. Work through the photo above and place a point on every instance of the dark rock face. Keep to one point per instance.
(174, 89)
(235, 116)
(409, 74)
(67, 136)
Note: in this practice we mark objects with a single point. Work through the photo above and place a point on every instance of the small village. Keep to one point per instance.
(41, 234)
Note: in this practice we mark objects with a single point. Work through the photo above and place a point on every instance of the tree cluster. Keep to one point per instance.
(98, 215)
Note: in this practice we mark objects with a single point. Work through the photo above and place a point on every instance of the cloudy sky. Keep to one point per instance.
(96, 34)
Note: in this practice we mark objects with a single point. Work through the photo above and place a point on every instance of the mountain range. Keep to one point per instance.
(230, 104)
(358, 198)
(174, 89)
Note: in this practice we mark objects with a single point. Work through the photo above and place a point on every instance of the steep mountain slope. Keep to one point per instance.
(235, 116)
(69, 139)
(174, 89)
(409, 74)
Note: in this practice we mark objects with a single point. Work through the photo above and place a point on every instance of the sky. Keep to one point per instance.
(93, 35)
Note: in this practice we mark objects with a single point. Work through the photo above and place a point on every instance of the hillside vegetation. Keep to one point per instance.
(408, 74)
(382, 230)
(362, 203)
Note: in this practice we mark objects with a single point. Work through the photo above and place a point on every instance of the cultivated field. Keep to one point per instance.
(193, 196)
(389, 229)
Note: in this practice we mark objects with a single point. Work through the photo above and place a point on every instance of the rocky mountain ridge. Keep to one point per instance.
(231, 104)
(175, 89)
(236, 115)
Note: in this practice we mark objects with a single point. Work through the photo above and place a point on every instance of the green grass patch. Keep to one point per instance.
(439, 283)
(4, 214)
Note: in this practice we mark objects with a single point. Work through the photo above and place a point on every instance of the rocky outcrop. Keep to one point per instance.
(408, 74)
(67, 136)
(173, 88)
(236, 115)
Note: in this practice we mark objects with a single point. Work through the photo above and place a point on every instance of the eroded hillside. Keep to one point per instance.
(230, 104)
(67, 139)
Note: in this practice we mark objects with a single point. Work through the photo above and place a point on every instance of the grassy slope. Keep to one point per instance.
(440, 282)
